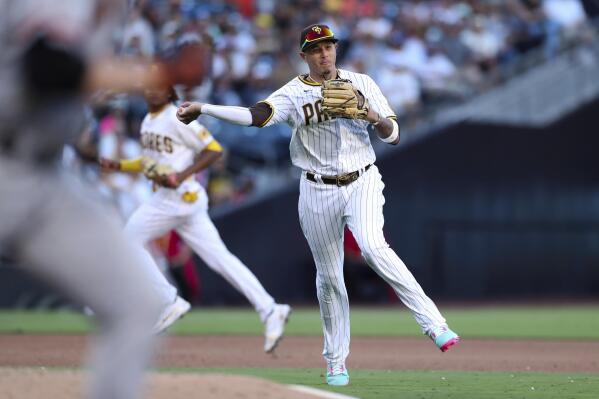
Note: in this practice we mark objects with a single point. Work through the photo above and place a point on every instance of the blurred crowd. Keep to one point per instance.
(422, 53)
(416, 50)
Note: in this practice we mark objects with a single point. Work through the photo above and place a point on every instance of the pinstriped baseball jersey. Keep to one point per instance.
(326, 146)
(329, 146)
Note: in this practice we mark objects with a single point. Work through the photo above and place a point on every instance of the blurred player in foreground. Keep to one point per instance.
(51, 54)
(172, 155)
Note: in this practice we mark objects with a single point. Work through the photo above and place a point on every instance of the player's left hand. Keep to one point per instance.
(171, 180)
(161, 174)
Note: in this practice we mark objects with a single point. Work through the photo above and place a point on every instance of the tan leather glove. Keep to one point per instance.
(342, 100)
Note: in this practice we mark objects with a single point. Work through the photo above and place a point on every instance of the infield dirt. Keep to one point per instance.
(32, 352)
(304, 352)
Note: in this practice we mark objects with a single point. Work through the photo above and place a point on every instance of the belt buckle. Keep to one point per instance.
(344, 180)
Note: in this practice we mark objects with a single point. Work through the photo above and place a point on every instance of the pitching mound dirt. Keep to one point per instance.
(63, 384)
(304, 352)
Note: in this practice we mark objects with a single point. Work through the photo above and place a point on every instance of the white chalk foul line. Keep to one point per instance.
(319, 392)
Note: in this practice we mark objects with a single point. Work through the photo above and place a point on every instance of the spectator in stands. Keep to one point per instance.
(421, 51)
(529, 28)
(440, 78)
(139, 33)
(568, 14)
(400, 86)
(483, 44)
(369, 51)
(375, 25)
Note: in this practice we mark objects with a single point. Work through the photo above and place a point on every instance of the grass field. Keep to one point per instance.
(565, 322)
(374, 384)
(557, 323)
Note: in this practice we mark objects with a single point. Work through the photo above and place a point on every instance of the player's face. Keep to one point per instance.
(321, 58)
(157, 96)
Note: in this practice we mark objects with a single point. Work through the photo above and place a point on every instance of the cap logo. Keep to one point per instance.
(314, 33)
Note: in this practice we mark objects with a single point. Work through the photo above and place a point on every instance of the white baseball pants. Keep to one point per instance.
(153, 219)
(324, 210)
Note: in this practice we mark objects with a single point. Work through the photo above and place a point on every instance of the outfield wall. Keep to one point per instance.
(476, 211)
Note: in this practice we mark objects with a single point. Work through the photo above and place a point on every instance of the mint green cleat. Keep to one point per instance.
(444, 338)
(337, 375)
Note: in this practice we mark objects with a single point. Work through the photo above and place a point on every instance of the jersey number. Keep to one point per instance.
(314, 110)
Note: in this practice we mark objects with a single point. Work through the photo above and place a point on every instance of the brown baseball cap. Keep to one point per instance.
(316, 33)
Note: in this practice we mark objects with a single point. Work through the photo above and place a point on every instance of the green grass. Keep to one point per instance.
(559, 322)
(388, 384)
(39, 322)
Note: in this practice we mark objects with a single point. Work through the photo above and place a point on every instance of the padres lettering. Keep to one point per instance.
(311, 110)
(157, 142)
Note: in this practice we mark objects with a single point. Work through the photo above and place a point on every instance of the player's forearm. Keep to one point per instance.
(231, 114)
(202, 161)
(87, 153)
(134, 165)
(387, 129)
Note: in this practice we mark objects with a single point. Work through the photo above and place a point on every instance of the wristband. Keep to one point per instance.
(131, 165)
(394, 134)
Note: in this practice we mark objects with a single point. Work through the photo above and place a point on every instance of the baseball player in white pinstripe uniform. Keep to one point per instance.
(329, 110)
(181, 203)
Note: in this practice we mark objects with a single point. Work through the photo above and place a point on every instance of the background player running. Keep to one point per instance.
(172, 154)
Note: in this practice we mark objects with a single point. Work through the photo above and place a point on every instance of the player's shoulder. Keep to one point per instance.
(285, 93)
(291, 86)
(166, 114)
(171, 112)
(147, 119)
(194, 127)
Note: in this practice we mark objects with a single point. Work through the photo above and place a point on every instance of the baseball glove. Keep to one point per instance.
(160, 174)
(342, 100)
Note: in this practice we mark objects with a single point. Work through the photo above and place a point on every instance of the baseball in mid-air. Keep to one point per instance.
(191, 64)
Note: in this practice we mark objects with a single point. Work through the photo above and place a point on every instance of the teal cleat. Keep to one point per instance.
(337, 375)
(444, 338)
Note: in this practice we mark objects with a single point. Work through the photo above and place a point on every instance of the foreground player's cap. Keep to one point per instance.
(315, 34)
